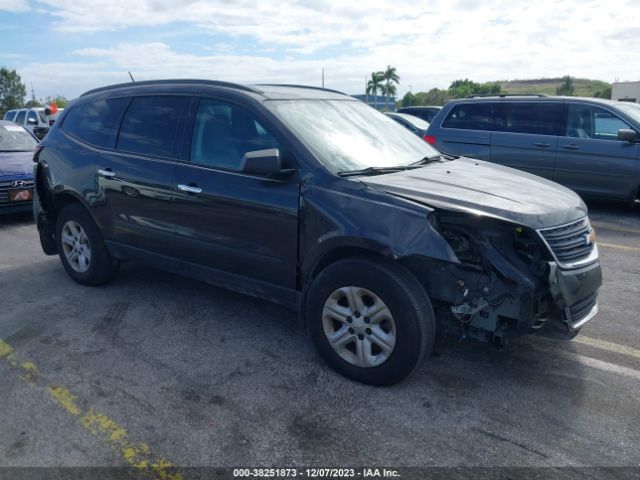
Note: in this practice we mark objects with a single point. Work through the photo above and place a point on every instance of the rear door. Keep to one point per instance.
(466, 130)
(591, 159)
(526, 136)
(135, 179)
(231, 225)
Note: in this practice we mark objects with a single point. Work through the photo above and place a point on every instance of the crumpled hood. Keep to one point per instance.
(487, 189)
(16, 164)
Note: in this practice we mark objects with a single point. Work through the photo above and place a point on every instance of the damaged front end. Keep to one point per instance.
(511, 279)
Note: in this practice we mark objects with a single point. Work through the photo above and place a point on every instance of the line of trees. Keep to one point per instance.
(464, 87)
(383, 82)
(458, 89)
(13, 93)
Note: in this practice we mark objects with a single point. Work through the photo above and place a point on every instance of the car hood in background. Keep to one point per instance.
(16, 164)
(486, 189)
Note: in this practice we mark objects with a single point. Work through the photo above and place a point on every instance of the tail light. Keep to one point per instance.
(430, 139)
(36, 153)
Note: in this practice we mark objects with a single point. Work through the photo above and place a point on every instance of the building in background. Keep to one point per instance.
(626, 91)
(382, 103)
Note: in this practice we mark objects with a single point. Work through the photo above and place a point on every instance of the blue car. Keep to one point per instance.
(589, 145)
(16, 168)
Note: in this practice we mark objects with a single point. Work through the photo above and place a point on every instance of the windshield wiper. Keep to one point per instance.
(425, 160)
(376, 170)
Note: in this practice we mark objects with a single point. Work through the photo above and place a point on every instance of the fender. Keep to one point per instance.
(366, 220)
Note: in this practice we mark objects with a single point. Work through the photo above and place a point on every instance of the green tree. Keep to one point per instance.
(409, 100)
(605, 93)
(374, 84)
(391, 79)
(12, 90)
(462, 88)
(566, 87)
(32, 103)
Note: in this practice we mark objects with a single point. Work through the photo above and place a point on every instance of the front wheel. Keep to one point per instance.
(81, 249)
(370, 320)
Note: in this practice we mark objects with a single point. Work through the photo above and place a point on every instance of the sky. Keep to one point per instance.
(65, 47)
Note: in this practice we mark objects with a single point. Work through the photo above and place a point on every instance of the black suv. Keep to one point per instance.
(312, 199)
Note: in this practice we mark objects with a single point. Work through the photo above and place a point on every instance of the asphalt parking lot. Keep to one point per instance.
(160, 372)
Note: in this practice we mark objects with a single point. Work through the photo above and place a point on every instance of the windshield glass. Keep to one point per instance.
(14, 138)
(631, 109)
(350, 135)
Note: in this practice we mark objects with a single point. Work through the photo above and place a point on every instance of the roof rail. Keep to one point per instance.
(502, 95)
(215, 83)
(300, 86)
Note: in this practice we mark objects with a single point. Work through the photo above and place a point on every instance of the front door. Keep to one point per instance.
(591, 159)
(233, 226)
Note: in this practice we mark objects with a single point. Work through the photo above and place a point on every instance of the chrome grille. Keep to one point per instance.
(570, 243)
(5, 186)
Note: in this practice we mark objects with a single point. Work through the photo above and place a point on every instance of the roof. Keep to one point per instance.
(268, 91)
(528, 98)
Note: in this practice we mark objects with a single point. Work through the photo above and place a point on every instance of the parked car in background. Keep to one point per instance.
(425, 113)
(589, 145)
(312, 199)
(33, 119)
(16, 168)
(415, 125)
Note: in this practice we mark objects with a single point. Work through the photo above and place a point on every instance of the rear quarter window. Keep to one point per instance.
(93, 122)
(471, 116)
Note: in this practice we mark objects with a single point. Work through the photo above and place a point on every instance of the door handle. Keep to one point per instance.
(189, 189)
(106, 173)
(571, 147)
(542, 144)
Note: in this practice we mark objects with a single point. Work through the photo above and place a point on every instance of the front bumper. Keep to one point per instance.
(575, 293)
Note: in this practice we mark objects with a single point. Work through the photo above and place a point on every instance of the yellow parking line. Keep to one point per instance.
(619, 247)
(137, 454)
(615, 228)
(609, 346)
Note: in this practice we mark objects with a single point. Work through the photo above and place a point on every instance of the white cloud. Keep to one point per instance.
(14, 5)
(430, 42)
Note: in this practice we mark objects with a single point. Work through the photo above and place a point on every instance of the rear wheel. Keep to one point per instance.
(81, 248)
(370, 320)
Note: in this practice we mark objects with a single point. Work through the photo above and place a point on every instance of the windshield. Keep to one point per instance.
(631, 109)
(14, 138)
(349, 135)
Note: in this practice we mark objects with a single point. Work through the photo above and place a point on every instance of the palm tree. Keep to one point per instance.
(390, 76)
(374, 85)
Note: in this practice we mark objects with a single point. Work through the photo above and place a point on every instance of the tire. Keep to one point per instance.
(98, 267)
(408, 319)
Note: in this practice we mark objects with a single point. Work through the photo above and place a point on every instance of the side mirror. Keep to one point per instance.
(627, 135)
(32, 121)
(262, 162)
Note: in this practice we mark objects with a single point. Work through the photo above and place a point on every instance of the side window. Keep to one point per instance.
(150, 124)
(223, 133)
(32, 117)
(21, 116)
(537, 118)
(588, 121)
(471, 116)
(92, 122)
(10, 116)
